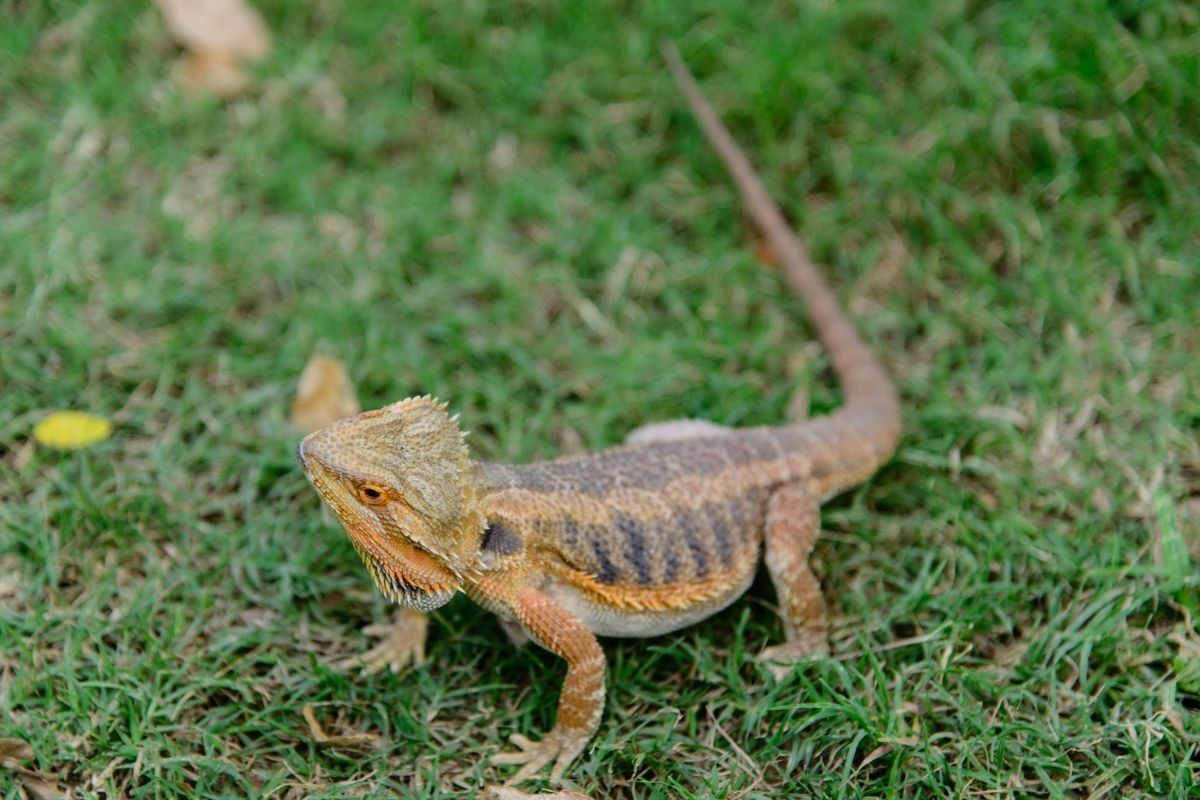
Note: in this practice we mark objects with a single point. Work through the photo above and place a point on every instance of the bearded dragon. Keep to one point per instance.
(635, 541)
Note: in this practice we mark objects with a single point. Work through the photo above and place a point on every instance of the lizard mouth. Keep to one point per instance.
(405, 574)
(403, 590)
(407, 590)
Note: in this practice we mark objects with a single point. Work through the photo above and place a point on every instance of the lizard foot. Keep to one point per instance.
(403, 641)
(557, 746)
(781, 659)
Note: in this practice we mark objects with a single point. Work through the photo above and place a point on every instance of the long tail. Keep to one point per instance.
(870, 396)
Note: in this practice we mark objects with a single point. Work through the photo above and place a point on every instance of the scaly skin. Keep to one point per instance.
(634, 541)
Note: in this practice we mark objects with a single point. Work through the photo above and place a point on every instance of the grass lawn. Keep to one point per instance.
(510, 208)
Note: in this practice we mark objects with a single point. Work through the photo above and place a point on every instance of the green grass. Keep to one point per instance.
(510, 209)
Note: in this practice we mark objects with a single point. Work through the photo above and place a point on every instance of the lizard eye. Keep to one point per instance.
(371, 495)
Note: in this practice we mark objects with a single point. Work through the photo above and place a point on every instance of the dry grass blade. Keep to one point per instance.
(353, 740)
(509, 793)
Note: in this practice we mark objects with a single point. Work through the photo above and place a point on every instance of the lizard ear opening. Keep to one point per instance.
(498, 541)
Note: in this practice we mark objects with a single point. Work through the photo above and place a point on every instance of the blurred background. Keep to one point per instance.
(507, 206)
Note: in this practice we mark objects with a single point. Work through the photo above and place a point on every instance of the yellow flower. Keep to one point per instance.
(71, 430)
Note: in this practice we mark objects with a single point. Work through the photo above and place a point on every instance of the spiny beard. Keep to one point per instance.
(400, 591)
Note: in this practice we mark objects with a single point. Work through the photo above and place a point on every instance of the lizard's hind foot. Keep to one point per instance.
(403, 642)
(557, 746)
(781, 659)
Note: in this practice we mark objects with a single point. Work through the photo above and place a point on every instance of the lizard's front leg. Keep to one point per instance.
(582, 700)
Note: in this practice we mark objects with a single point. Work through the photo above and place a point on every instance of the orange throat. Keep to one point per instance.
(404, 573)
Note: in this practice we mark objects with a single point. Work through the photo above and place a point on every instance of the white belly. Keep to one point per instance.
(606, 620)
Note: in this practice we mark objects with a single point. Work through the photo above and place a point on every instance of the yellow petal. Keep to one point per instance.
(70, 430)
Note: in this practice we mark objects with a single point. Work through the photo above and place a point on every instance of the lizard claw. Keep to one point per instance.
(781, 659)
(403, 642)
(557, 746)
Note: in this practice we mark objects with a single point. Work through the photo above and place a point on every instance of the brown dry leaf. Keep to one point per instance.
(231, 27)
(12, 750)
(220, 35)
(206, 71)
(39, 786)
(356, 740)
(324, 395)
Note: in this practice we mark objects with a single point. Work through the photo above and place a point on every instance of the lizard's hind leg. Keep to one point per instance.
(793, 522)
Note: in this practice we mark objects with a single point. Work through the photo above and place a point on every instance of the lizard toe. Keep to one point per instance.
(533, 756)
(781, 659)
(403, 643)
(522, 741)
(569, 752)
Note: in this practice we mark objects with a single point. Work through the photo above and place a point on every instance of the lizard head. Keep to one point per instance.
(399, 479)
